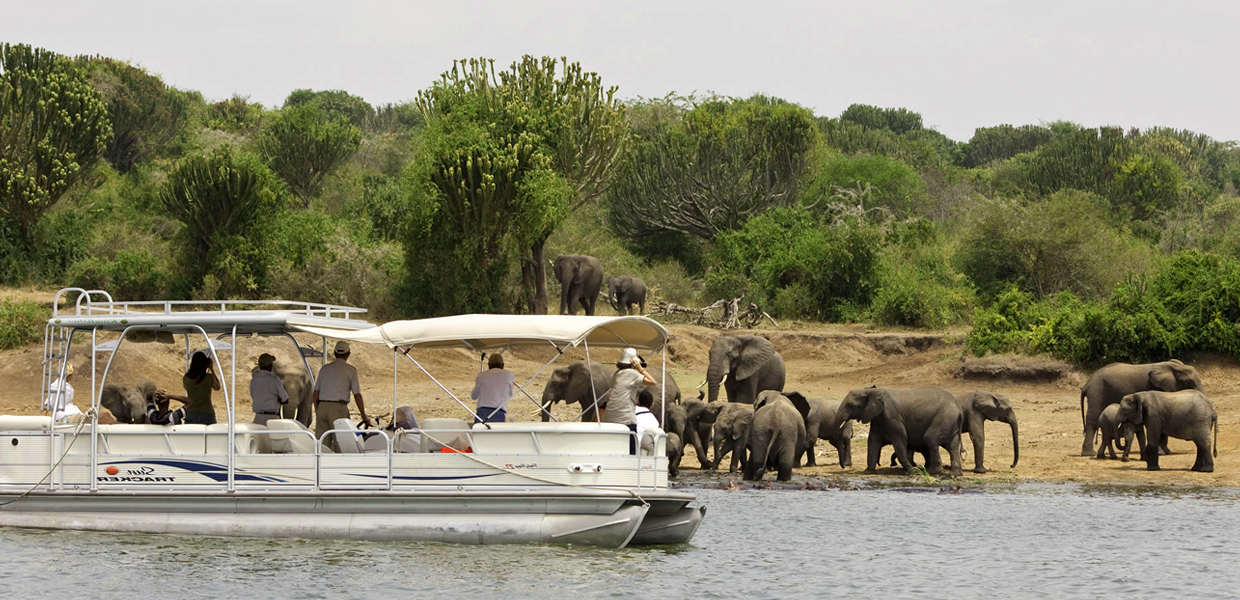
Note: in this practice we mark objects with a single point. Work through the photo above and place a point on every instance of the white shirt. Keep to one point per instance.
(60, 400)
(493, 388)
(645, 420)
(337, 379)
(267, 392)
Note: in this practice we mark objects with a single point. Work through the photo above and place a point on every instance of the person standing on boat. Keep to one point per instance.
(59, 399)
(337, 379)
(267, 392)
(492, 389)
(199, 380)
(622, 399)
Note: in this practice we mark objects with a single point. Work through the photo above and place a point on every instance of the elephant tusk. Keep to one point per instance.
(704, 382)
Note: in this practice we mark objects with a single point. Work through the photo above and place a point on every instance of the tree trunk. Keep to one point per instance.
(534, 274)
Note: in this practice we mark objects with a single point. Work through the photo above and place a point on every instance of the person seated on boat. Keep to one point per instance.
(492, 389)
(645, 419)
(157, 412)
(267, 392)
(199, 380)
(59, 400)
(337, 379)
(621, 399)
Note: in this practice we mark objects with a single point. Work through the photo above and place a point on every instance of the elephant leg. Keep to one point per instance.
(786, 460)
(874, 447)
(979, 450)
(721, 447)
(903, 454)
(953, 452)
(738, 457)
(1162, 447)
(305, 411)
(1205, 455)
(1091, 426)
(844, 449)
(1149, 452)
(934, 461)
(700, 447)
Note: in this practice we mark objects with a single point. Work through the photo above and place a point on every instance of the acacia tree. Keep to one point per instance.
(723, 162)
(304, 144)
(53, 127)
(576, 124)
(146, 114)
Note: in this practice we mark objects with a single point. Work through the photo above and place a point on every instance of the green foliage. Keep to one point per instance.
(1002, 142)
(133, 275)
(712, 169)
(235, 115)
(789, 255)
(384, 202)
(1065, 242)
(395, 118)
(896, 120)
(893, 185)
(53, 127)
(222, 198)
(146, 114)
(1147, 186)
(337, 103)
(21, 323)
(915, 148)
(919, 286)
(304, 143)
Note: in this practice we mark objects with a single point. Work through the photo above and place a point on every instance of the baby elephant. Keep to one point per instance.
(731, 432)
(1187, 415)
(1108, 425)
(821, 424)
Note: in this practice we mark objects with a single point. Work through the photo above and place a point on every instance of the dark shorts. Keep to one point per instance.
(489, 415)
(200, 419)
(633, 439)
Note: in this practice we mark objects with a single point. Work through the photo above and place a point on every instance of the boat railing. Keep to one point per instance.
(100, 303)
(106, 446)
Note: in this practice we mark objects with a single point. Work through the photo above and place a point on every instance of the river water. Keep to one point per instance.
(1039, 542)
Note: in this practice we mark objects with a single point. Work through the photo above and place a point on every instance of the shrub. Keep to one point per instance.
(344, 270)
(235, 115)
(21, 323)
(892, 184)
(919, 287)
(304, 144)
(133, 275)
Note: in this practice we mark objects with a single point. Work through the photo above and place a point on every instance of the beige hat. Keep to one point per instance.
(68, 369)
(342, 347)
(266, 360)
(628, 355)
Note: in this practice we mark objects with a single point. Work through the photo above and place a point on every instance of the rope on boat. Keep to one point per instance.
(471, 456)
(87, 417)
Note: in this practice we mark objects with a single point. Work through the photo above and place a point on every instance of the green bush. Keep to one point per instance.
(235, 115)
(892, 184)
(132, 275)
(919, 286)
(341, 269)
(21, 323)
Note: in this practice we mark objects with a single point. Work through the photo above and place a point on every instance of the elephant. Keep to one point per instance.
(674, 425)
(571, 384)
(127, 405)
(699, 421)
(926, 417)
(776, 435)
(1185, 415)
(674, 453)
(979, 407)
(731, 425)
(624, 291)
(580, 278)
(1116, 380)
(299, 388)
(746, 365)
(1112, 431)
(672, 392)
(820, 424)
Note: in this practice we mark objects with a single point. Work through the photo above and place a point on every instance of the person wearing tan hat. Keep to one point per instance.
(59, 399)
(621, 403)
(267, 392)
(337, 379)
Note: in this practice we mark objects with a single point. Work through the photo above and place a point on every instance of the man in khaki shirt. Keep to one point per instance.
(336, 381)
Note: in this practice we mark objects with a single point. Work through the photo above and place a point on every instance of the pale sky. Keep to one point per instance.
(960, 64)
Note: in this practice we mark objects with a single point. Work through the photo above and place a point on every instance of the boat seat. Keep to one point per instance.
(452, 432)
(553, 438)
(648, 443)
(295, 442)
(188, 443)
(406, 441)
(23, 423)
(350, 442)
(217, 439)
(135, 439)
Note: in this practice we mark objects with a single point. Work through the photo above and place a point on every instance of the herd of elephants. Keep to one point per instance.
(764, 427)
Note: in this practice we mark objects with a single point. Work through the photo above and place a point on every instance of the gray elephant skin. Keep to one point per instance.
(1187, 415)
(624, 291)
(675, 451)
(571, 384)
(730, 420)
(1121, 435)
(821, 424)
(926, 417)
(1111, 383)
(581, 278)
(751, 365)
(776, 436)
(127, 405)
(299, 388)
(699, 421)
(979, 407)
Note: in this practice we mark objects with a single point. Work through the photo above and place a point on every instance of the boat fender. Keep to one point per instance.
(579, 468)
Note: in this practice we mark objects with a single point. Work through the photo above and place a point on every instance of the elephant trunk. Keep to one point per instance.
(714, 376)
(1015, 440)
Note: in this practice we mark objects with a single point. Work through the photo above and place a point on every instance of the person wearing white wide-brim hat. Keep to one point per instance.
(621, 402)
(59, 400)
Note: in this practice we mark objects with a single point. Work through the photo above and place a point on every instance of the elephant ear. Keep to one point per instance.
(740, 429)
(798, 400)
(765, 397)
(755, 353)
(558, 268)
(875, 403)
(584, 270)
(111, 399)
(1163, 378)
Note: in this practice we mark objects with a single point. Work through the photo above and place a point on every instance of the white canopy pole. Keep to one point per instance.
(453, 396)
(593, 393)
(395, 363)
(663, 388)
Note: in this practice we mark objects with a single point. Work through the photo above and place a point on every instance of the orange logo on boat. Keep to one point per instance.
(447, 450)
(112, 470)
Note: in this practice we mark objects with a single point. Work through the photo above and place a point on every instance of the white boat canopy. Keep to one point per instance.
(489, 332)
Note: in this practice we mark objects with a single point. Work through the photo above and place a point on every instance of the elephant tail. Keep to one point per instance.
(1215, 449)
(1082, 407)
